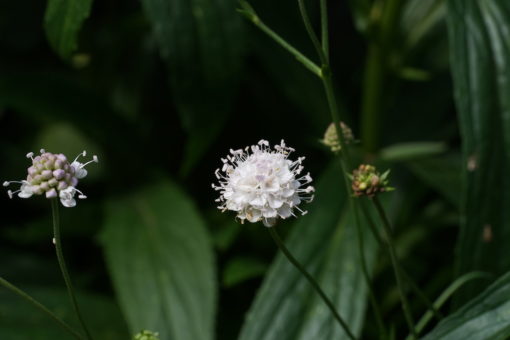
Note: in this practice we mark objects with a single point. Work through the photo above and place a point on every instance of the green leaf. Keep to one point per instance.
(202, 43)
(412, 150)
(485, 317)
(62, 22)
(325, 242)
(161, 262)
(19, 320)
(480, 57)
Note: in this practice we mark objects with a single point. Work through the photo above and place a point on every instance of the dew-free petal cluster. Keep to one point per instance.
(52, 175)
(260, 183)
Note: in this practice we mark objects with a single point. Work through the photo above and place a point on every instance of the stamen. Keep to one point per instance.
(82, 154)
(6, 184)
(42, 151)
(30, 155)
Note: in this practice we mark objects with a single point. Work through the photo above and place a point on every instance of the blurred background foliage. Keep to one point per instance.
(160, 90)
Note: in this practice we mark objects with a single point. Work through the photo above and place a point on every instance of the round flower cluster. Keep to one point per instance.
(367, 181)
(52, 175)
(262, 184)
(146, 335)
(331, 138)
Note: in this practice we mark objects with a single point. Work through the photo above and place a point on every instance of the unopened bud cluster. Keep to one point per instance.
(146, 335)
(331, 137)
(52, 175)
(366, 181)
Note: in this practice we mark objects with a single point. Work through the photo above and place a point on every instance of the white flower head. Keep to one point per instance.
(260, 183)
(52, 175)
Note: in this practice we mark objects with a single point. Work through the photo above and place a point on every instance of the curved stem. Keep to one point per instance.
(311, 280)
(396, 266)
(40, 306)
(63, 267)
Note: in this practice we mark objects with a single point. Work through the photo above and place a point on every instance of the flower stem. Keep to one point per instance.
(63, 267)
(250, 14)
(376, 70)
(396, 266)
(366, 276)
(40, 306)
(311, 280)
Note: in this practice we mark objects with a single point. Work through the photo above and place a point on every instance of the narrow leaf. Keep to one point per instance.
(485, 317)
(161, 263)
(480, 61)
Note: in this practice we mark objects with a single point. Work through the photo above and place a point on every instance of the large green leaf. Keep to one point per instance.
(480, 57)
(62, 22)
(486, 317)
(160, 258)
(19, 320)
(201, 41)
(325, 241)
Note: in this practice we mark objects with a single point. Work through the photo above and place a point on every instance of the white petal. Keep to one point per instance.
(68, 203)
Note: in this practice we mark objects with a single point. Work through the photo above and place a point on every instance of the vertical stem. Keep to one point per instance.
(40, 306)
(63, 267)
(375, 75)
(366, 276)
(396, 266)
(311, 280)
(324, 29)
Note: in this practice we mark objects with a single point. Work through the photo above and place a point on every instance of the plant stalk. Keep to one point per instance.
(311, 280)
(63, 267)
(39, 306)
(396, 266)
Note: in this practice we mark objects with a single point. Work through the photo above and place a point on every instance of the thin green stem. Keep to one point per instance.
(406, 276)
(311, 280)
(396, 266)
(40, 306)
(249, 13)
(375, 75)
(324, 29)
(361, 246)
(439, 302)
(63, 267)
(313, 37)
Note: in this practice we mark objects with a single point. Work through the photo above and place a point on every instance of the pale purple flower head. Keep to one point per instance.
(52, 175)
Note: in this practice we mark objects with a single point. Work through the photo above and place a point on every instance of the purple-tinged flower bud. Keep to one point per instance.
(59, 174)
(62, 185)
(52, 193)
(52, 182)
(46, 174)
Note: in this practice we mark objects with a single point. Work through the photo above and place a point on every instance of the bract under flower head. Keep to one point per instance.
(367, 181)
(52, 175)
(260, 183)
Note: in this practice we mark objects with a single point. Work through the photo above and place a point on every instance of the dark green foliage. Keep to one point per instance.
(480, 67)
